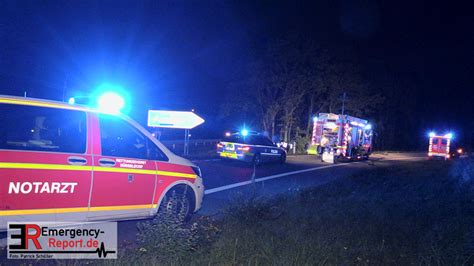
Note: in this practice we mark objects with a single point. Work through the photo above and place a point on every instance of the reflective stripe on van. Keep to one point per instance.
(92, 168)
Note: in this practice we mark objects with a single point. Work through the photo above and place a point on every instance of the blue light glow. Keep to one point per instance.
(71, 100)
(368, 127)
(315, 119)
(110, 102)
(244, 132)
(432, 134)
(449, 135)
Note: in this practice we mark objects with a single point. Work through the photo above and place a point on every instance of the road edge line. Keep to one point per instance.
(265, 178)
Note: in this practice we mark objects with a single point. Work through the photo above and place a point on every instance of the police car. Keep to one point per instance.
(62, 162)
(250, 147)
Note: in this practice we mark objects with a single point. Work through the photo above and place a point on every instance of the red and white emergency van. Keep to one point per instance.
(338, 137)
(441, 146)
(61, 162)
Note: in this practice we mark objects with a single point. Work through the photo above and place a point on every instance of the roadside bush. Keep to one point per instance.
(302, 143)
(253, 210)
(167, 239)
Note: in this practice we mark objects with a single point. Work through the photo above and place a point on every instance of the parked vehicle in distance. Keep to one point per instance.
(250, 147)
(443, 147)
(337, 137)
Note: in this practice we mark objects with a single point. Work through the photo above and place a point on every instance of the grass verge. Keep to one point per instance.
(415, 213)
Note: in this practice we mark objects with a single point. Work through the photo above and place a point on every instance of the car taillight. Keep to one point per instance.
(244, 148)
(220, 146)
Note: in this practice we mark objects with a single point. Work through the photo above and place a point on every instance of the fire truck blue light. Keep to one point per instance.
(71, 100)
(368, 127)
(110, 102)
(449, 135)
(432, 134)
(244, 132)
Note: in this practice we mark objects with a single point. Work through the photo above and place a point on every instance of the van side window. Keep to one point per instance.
(33, 128)
(120, 139)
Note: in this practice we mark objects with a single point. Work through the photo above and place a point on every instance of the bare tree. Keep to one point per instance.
(345, 76)
(295, 80)
(290, 71)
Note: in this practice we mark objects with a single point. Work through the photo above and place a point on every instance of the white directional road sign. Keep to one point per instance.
(173, 119)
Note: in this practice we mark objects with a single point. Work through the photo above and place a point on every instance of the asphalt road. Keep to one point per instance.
(224, 180)
(227, 181)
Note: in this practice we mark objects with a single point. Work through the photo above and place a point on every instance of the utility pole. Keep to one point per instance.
(343, 102)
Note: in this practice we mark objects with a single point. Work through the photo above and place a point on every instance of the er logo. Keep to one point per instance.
(27, 232)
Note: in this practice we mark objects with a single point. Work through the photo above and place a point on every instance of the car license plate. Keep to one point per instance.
(229, 155)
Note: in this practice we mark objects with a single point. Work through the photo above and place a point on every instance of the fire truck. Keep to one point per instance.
(340, 137)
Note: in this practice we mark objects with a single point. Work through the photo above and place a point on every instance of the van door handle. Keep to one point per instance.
(106, 162)
(76, 160)
(130, 178)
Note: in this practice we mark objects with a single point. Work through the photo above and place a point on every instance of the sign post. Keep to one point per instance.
(175, 119)
(186, 141)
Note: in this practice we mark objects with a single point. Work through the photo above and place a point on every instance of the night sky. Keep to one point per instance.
(186, 54)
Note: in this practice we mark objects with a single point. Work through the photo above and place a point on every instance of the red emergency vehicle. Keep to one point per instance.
(441, 146)
(338, 137)
(61, 162)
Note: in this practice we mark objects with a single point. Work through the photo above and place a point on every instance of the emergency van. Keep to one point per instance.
(441, 146)
(62, 162)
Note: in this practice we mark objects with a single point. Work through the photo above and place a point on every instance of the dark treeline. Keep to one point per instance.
(295, 79)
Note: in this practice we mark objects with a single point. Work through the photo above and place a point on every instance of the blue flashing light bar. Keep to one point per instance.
(110, 102)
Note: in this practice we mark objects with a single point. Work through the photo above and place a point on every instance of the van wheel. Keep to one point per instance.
(257, 159)
(283, 158)
(178, 204)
